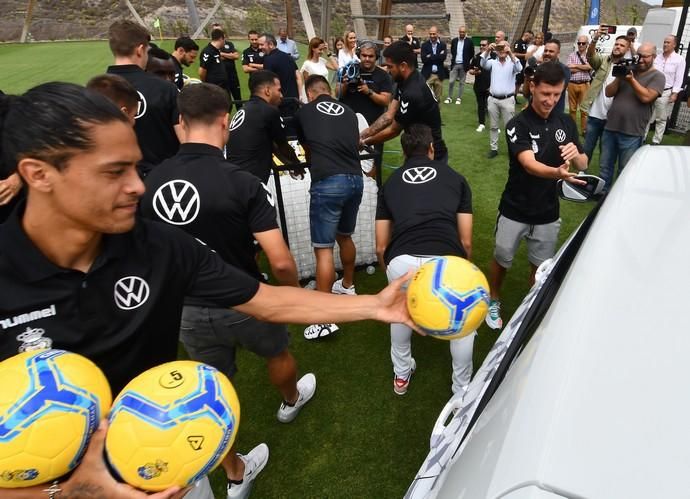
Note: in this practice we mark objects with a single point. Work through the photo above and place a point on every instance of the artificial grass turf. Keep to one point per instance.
(356, 438)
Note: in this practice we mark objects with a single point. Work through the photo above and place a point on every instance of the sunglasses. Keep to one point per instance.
(582, 43)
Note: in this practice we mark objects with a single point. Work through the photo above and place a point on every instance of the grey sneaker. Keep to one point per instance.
(339, 289)
(306, 387)
(493, 318)
(254, 462)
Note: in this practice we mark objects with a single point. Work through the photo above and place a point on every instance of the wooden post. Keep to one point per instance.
(27, 20)
(288, 17)
(385, 24)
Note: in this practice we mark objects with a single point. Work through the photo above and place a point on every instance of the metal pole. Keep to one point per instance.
(547, 14)
(193, 15)
(402, 16)
(679, 34)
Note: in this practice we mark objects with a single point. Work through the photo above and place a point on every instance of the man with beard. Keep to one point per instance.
(252, 56)
(184, 54)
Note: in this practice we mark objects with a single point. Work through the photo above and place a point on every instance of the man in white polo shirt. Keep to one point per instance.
(672, 64)
(502, 89)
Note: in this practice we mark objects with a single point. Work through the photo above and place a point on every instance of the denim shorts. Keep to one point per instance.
(333, 208)
(212, 336)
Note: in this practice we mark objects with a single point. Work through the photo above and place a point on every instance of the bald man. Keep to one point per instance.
(409, 37)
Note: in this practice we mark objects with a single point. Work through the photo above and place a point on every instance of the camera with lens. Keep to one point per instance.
(625, 67)
(530, 68)
(352, 72)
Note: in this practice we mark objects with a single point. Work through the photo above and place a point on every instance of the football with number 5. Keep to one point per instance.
(172, 425)
(448, 297)
(51, 402)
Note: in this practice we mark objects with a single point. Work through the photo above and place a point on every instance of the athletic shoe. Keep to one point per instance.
(306, 387)
(254, 462)
(316, 331)
(492, 154)
(400, 384)
(480, 128)
(458, 101)
(493, 318)
(447, 101)
(339, 289)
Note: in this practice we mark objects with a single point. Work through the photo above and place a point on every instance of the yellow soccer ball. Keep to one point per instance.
(448, 297)
(172, 425)
(51, 402)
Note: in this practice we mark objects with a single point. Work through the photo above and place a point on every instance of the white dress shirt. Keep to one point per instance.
(673, 68)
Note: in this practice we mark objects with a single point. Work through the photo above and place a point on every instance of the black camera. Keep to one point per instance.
(352, 72)
(530, 68)
(625, 67)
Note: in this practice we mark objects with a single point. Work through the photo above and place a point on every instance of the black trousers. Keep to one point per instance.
(234, 92)
(482, 104)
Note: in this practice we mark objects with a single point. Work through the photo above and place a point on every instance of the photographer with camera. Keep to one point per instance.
(636, 86)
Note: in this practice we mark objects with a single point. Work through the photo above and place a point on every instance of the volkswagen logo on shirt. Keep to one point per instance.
(330, 108)
(419, 175)
(238, 119)
(131, 292)
(141, 106)
(177, 202)
(560, 136)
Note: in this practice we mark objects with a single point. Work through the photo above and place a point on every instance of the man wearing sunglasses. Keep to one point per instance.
(580, 78)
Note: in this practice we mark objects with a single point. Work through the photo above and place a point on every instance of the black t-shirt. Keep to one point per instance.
(214, 201)
(378, 81)
(211, 61)
(157, 114)
(423, 198)
(284, 66)
(179, 73)
(520, 47)
(529, 199)
(253, 130)
(330, 133)
(251, 56)
(230, 68)
(415, 43)
(124, 314)
(482, 81)
(418, 105)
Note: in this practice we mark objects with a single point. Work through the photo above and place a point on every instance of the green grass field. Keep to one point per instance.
(356, 439)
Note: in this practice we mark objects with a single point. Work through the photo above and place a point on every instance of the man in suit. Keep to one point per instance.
(433, 59)
(461, 53)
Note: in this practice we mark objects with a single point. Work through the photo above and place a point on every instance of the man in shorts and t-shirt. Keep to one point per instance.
(329, 133)
(424, 210)
(542, 143)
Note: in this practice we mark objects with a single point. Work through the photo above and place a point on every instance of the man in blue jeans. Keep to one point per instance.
(328, 131)
(633, 103)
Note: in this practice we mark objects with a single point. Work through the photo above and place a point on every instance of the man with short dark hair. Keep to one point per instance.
(157, 120)
(284, 66)
(552, 53)
(257, 130)
(252, 56)
(542, 144)
(461, 53)
(118, 90)
(520, 51)
(185, 53)
(327, 130)
(633, 103)
(229, 55)
(229, 210)
(414, 102)
(631, 35)
(416, 221)
(211, 68)
(482, 82)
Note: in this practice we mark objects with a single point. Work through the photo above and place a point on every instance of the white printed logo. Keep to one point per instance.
(419, 175)
(594, 14)
(141, 106)
(282, 123)
(237, 120)
(513, 136)
(560, 136)
(269, 195)
(177, 202)
(32, 339)
(535, 147)
(131, 292)
(403, 107)
(534, 135)
(330, 108)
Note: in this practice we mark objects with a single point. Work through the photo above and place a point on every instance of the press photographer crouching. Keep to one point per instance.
(637, 84)
(366, 88)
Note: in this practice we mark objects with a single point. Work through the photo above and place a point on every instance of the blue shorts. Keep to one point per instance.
(333, 208)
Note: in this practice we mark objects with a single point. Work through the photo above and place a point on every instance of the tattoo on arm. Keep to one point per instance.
(84, 491)
(382, 122)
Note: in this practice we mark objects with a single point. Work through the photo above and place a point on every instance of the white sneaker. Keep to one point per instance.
(493, 318)
(447, 101)
(254, 462)
(306, 387)
(480, 128)
(316, 331)
(339, 289)
(400, 384)
(458, 101)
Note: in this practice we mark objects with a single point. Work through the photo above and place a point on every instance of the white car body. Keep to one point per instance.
(605, 43)
(596, 403)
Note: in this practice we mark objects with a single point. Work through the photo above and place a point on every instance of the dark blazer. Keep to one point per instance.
(467, 52)
(429, 59)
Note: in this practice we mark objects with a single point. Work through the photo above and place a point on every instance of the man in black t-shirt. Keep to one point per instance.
(328, 132)
(90, 277)
(185, 53)
(284, 66)
(228, 209)
(211, 67)
(482, 81)
(257, 130)
(415, 102)
(424, 210)
(520, 51)
(156, 124)
(229, 55)
(252, 56)
(413, 41)
(542, 143)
